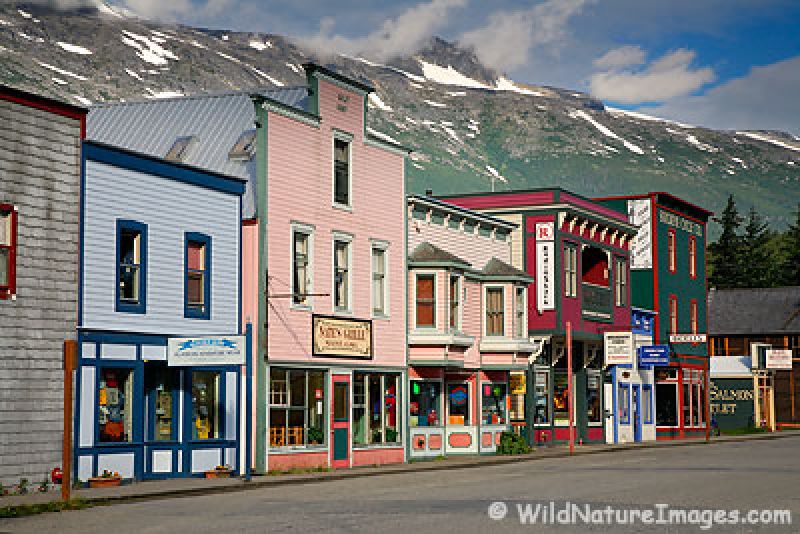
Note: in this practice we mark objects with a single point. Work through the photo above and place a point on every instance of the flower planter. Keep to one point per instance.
(104, 482)
(219, 473)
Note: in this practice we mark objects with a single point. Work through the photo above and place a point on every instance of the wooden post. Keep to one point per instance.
(570, 392)
(70, 360)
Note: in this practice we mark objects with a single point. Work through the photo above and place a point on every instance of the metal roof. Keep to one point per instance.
(216, 121)
(774, 310)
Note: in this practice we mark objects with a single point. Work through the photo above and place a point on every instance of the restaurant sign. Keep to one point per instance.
(618, 348)
(210, 350)
(687, 338)
(545, 266)
(344, 338)
(779, 359)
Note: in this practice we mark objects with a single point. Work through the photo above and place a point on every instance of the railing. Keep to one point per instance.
(596, 300)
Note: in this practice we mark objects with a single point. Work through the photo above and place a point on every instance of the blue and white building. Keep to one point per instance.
(159, 383)
(632, 391)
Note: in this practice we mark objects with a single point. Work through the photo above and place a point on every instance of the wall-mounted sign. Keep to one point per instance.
(687, 338)
(211, 350)
(653, 355)
(618, 348)
(732, 402)
(344, 338)
(640, 215)
(779, 359)
(682, 223)
(545, 266)
(459, 396)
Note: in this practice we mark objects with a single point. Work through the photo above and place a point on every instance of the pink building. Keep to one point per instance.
(325, 282)
(468, 334)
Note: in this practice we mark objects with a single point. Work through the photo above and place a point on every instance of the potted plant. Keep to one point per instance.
(106, 480)
(315, 436)
(221, 471)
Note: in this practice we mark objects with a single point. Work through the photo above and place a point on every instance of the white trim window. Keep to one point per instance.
(495, 310)
(341, 274)
(342, 170)
(570, 270)
(302, 247)
(380, 281)
(455, 302)
(620, 282)
(520, 309)
(425, 300)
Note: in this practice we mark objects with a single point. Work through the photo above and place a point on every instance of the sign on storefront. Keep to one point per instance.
(639, 214)
(732, 402)
(779, 359)
(545, 266)
(210, 350)
(618, 348)
(653, 355)
(687, 338)
(344, 338)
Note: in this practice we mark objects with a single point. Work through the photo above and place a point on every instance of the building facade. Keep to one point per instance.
(159, 384)
(468, 337)
(40, 170)
(668, 276)
(578, 253)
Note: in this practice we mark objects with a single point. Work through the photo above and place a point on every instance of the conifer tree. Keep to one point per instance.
(726, 253)
(758, 269)
(791, 266)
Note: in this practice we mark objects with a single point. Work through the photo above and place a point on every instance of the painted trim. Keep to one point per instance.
(383, 246)
(672, 251)
(693, 257)
(308, 231)
(339, 237)
(205, 240)
(279, 108)
(43, 103)
(427, 274)
(140, 306)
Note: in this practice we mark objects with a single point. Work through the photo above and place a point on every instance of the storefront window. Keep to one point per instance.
(458, 404)
(205, 405)
(517, 394)
(375, 408)
(493, 404)
(624, 404)
(297, 408)
(560, 398)
(693, 398)
(593, 396)
(424, 408)
(647, 404)
(115, 405)
(541, 409)
(159, 385)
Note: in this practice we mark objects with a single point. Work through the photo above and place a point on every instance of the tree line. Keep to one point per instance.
(749, 253)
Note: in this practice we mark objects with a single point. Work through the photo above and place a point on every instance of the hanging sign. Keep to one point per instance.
(653, 355)
(347, 338)
(545, 266)
(779, 359)
(687, 338)
(618, 348)
(211, 350)
(640, 216)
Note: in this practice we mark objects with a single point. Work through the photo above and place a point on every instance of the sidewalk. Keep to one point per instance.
(184, 487)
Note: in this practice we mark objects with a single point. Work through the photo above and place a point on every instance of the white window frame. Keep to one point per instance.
(345, 238)
(460, 312)
(570, 269)
(620, 281)
(436, 321)
(485, 310)
(524, 318)
(308, 230)
(377, 244)
(348, 138)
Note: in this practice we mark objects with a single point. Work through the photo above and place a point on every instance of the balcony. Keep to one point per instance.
(596, 302)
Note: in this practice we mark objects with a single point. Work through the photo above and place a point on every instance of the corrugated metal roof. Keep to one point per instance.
(216, 120)
(774, 310)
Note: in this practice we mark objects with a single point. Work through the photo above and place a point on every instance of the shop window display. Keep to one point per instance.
(458, 404)
(517, 395)
(160, 384)
(593, 382)
(115, 405)
(297, 408)
(375, 408)
(424, 408)
(205, 405)
(560, 398)
(666, 396)
(541, 414)
(493, 404)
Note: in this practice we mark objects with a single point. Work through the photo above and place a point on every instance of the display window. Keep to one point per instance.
(297, 408)
(647, 404)
(425, 403)
(115, 405)
(541, 408)
(624, 403)
(206, 419)
(375, 402)
(517, 387)
(666, 396)
(593, 399)
(458, 399)
(693, 398)
(160, 384)
(493, 403)
(560, 398)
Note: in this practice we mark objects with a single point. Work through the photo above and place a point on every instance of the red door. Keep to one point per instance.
(340, 421)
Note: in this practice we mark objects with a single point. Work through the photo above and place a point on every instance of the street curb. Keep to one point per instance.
(427, 466)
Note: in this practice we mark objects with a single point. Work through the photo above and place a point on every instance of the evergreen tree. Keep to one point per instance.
(758, 269)
(791, 266)
(726, 253)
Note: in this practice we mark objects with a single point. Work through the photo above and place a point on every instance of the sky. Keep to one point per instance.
(728, 64)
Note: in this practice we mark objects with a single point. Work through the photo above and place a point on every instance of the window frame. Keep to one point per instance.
(672, 251)
(454, 320)
(308, 231)
(620, 282)
(121, 306)
(673, 319)
(287, 406)
(520, 312)
(434, 276)
(384, 248)
(190, 312)
(504, 407)
(647, 393)
(9, 291)
(383, 380)
(692, 257)
(136, 401)
(694, 318)
(346, 138)
(189, 420)
(570, 270)
(348, 241)
(502, 312)
(624, 399)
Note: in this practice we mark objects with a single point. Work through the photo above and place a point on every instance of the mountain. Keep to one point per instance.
(471, 128)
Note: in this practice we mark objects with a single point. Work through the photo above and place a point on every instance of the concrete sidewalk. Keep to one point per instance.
(184, 487)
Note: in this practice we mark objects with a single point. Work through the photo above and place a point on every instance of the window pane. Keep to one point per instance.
(300, 271)
(340, 401)
(560, 398)
(375, 408)
(593, 397)
(454, 298)
(205, 405)
(666, 404)
(297, 388)
(196, 256)
(623, 403)
(424, 406)
(378, 280)
(195, 289)
(277, 427)
(129, 284)
(129, 247)
(494, 312)
(542, 398)
(295, 431)
(517, 394)
(390, 408)
(316, 407)
(425, 301)
(360, 418)
(278, 387)
(647, 401)
(458, 404)
(159, 383)
(493, 404)
(341, 275)
(115, 405)
(4, 266)
(341, 171)
(5, 229)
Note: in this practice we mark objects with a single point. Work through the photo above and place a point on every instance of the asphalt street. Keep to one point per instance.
(742, 476)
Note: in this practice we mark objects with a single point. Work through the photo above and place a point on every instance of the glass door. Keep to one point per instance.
(340, 425)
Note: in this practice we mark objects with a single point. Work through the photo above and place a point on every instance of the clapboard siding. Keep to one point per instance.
(40, 174)
(471, 247)
(169, 209)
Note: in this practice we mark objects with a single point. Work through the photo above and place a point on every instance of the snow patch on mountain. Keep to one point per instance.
(83, 100)
(435, 104)
(449, 76)
(163, 94)
(504, 84)
(75, 49)
(259, 45)
(133, 74)
(375, 101)
(700, 145)
(59, 81)
(580, 114)
(383, 136)
(766, 139)
(147, 49)
(642, 116)
(493, 172)
(61, 71)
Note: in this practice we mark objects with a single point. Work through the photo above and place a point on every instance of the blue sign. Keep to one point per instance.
(459, 396)
(653, 355)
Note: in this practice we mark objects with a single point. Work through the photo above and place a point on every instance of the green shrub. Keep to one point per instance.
(511, 443)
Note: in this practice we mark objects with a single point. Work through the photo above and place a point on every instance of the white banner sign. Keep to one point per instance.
(687, 338)
(618, 348)
(211, 350)
(779, 359)
(640, 216)
(545, 267)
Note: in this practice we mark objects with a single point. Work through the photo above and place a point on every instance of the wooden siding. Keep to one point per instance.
(40, 174)
(169, 209)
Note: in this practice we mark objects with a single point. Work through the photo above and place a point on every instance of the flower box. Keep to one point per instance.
(219, 473)
(104, 482)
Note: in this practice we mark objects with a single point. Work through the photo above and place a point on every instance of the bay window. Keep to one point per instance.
(425, 308)
(495, 313)
(8, 250)
(375, 408)
(520, 305)
(297, 408)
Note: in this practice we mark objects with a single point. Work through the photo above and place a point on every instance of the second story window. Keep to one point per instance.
(692, 257)
(520, 303)
(198, 276)
(131, 266)
(341, 172)
(378, 281)
(570, 271)
(620, 282)
(341, 275)
(8, 251)
(672, 251)
(673, 314)
(301, 275)
(425, 291)
(693, 316)
(455, 303)
(494, 312)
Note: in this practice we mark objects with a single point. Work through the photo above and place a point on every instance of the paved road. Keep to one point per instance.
(743, 475)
